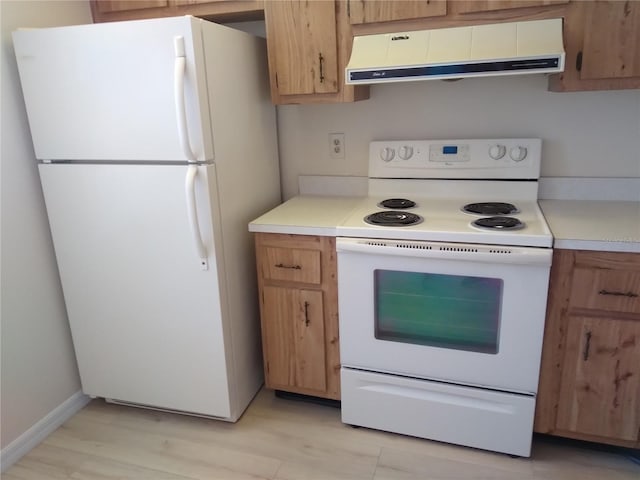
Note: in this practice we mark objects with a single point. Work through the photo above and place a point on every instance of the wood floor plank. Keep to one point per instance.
(280, 439)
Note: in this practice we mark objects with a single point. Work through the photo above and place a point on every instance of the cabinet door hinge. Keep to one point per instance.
(579, 61)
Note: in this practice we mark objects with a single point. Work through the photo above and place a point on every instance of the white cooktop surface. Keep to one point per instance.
(444, 220)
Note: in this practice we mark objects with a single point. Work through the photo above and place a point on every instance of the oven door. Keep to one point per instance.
(459, 313)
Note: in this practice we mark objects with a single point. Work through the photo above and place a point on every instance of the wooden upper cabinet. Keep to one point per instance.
(220, 10)
(474, 6)
(108, 6)
(302, 41)
(371, 11)
(611, 40)
(602, 42)
(309, 44)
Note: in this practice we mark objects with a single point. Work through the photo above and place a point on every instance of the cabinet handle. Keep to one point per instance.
(321, 59)
(579, 61)
(293, 267)
(618, 294)
(587, 345)
(306, 314)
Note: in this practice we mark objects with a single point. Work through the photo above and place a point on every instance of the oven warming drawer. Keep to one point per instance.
(473, 417)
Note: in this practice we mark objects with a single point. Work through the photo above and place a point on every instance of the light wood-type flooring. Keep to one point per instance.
(283, 439)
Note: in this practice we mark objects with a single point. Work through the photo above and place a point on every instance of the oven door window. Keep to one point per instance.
(447, 311)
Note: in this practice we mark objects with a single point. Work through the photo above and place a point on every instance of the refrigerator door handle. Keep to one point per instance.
(181, 110)
(192, 212)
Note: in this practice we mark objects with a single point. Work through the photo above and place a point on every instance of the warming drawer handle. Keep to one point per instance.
(181, 109)
(618, 294)
(192, 213)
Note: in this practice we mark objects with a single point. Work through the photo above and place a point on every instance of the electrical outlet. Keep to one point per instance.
(336, 145)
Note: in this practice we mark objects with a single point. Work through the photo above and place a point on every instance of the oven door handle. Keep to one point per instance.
(447, 251)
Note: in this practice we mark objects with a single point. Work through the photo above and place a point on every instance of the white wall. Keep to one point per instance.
(585, 134)
(38, 367)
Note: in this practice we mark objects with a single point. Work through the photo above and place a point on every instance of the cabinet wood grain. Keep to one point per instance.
(302, 47)
(215, 10)
(600, 386)
(474, 6)
(602, 43)
(309, 44)
(590, 374)
(299, 313)
(368, 11)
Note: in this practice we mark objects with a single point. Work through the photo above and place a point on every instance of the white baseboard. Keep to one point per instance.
(38, 432)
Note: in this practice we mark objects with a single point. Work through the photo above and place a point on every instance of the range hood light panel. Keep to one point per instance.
(452, 53)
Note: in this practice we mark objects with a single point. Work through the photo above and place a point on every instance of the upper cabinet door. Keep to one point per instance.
(371, 11)
(602, 41)
(108, 6)
(106, 92)
(611, 52)
(473, 6)
(302, 44)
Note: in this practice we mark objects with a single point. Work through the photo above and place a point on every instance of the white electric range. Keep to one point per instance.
(442, 278)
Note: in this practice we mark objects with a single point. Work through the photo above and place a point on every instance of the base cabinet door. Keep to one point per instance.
(600, 387)
(297, 283)
(294, 339)
(590, 373)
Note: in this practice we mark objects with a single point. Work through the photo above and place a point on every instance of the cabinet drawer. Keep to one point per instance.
(603, 289)
(291, 264)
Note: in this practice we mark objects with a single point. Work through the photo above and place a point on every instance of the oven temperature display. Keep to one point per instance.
(443, 153)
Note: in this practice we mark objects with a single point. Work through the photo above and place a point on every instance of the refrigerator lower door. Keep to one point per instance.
(146, 318)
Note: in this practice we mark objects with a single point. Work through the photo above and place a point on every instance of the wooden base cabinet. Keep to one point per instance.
(590, 376)
(299, 313)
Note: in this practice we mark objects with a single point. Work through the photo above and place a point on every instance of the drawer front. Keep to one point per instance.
(603, 289)
(292, 265)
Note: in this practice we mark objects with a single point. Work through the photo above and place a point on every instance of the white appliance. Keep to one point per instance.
(441, 306)
(156, 143)
(510, 48)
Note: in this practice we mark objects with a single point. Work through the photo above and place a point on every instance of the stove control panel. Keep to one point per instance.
(511, 158)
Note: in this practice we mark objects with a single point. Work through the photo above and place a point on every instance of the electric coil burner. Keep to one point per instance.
(397, 203)
(490, 208)
(392, 218)
(498, 223)
(441, 320)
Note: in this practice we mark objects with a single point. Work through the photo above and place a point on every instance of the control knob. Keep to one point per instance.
(387, 154)
(518, 154)
(497, 151)
(405, 152)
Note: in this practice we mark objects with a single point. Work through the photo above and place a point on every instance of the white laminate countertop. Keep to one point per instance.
(611, 226)
(593, 225)
(306, 215)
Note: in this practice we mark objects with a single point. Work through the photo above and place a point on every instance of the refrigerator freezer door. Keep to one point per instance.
(146, 319)
(107, 91)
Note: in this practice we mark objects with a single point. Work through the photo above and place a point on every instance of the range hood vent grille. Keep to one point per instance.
(477, 51)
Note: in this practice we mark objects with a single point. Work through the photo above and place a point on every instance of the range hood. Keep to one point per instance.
(513, 48)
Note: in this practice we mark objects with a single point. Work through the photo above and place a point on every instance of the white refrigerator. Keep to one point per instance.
(156, 145)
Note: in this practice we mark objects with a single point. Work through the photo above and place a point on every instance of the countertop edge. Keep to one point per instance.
(294, 230)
